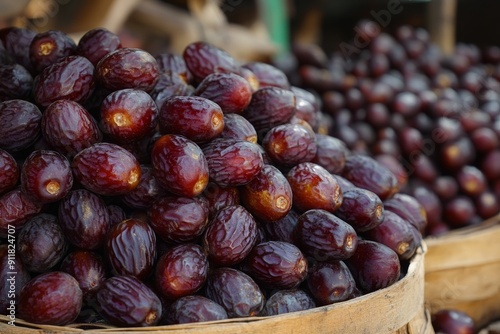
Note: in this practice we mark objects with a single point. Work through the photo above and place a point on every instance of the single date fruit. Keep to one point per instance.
(230, 236)
(286, 301)
(52, 298)
(181, 271)
(330, 282)
(106, 169)
(41, 243)
(235, 291)
(276, 265)
(128, 68)
(374, 266)
(179, 165)
(131, 248)
(20, 124)
(125, 301)
(325, 237)
(194, 308)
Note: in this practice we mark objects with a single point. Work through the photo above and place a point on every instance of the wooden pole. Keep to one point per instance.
(441, 16)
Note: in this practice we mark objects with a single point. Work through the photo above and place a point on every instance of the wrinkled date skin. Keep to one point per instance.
(219, 197)
(290, 144)
(407, 207)
(9, 171)
(374, 266)
(236, 292)
(131, 248)
(41, 243)
(238, 127)
(69, 128)
(270, 107)
(178, 219)
(313, 187)
(330, 282)
(276, 264)
(46, 48)
(365, 172)
(53, 298)
(46, 175)
(17, 44)
(397, 234)
(16, 82)
(282, 229)
(106, 169)
(128, 115)
(181, 271)
(230, 236)
(20, 124)
(230, 91)
(125, 301)
(194, 117)
(286, 301)
(15, 209)
(174, 66)
(361, 208)
(128, 68)
(180, 165)
(233, 162)
(72, 78)
(325, 237)
(268, 75)
(84, 218)
(97, 43)
(194, 308)
(203, 59)
(268, 196)
(88, 269)
(146, 192)
(331, 153)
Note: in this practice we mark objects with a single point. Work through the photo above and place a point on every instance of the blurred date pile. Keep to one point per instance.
(154, 190)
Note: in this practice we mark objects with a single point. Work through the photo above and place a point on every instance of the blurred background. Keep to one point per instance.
(255, 29)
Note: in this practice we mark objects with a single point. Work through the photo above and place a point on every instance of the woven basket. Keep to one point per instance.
(462, 271)
(398, 309)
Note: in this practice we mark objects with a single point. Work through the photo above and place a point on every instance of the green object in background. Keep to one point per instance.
(273, 13)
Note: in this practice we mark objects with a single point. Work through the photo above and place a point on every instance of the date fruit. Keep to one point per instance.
(268, 196)
(230, 236)
(125, 301)
(178, 219)
(330, 282)
(41, 243)
(286, 301)
(46, 176)
(181, 271)
(276, 264)
(52, 298)
(374, 266)
(106, 169)
(313, 187)
(194, 308)
(235, 291)
(131, 248)
(179, 165)
(325, 237)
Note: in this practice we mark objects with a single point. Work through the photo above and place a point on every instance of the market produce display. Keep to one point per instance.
(139, 190)
(432, 119)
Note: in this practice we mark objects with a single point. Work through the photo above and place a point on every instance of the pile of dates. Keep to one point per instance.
(140, 190)
(433, 119)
